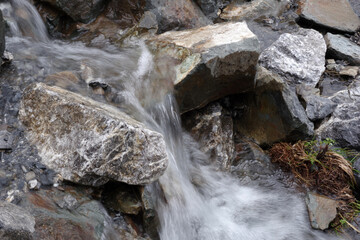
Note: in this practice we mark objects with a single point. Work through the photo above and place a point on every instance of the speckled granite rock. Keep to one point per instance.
(88, 142)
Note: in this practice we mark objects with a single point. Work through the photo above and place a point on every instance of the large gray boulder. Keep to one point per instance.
(210, 62)
(89, 142)
(79, 10)
(15, 222)
(271, 113)
(337, 15)
(342, 48)
(298, 57)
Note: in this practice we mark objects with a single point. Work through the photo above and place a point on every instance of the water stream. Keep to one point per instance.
(200, 202)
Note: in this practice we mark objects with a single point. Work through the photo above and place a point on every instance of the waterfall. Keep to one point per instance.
(194, 201)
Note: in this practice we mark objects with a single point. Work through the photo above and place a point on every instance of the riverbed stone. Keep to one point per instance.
(15, 222)
(321, 209)
(240, 10)
(298, 57)
(177, 15)
(89, 142)
(79, 10)
(342, 48)
(272, 112)
(210, 62)
(349, 71)
(337, 15)
(212, 128)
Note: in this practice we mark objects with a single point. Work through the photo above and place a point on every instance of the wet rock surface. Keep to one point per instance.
(298, 57)
(212, 128)
(336, 15)
(101, 142)
(322, 210)
(79, 10)
(342, 48)
(215, 61)
(15, 222)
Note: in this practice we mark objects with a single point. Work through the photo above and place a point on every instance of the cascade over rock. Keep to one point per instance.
(88, 142)
(210, 62)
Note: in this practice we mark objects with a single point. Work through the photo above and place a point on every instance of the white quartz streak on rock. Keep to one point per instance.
(89, 142)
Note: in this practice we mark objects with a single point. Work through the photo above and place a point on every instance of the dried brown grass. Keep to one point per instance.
(326, 172)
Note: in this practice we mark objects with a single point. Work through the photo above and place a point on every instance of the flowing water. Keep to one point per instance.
(193, 200)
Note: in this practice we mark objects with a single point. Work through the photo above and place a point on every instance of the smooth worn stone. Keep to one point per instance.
(342, 48)
(271, 113)
(330, 85)
(210, 62)
(79, 10)
(212, 128)
(321, 209)
(298, 57)
(337, 15)
(350, 71)
(177, 15)
(15, 222)
(253, 9)
(89, 142)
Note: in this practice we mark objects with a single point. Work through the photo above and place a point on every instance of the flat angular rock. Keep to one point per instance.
(322, 210)
(337, 15)
(88, 142)
(253, 9)
(298, 57)
(342, 48)
(211, 62)
(15, 222)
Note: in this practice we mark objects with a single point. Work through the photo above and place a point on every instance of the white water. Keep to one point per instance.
(193, 200)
